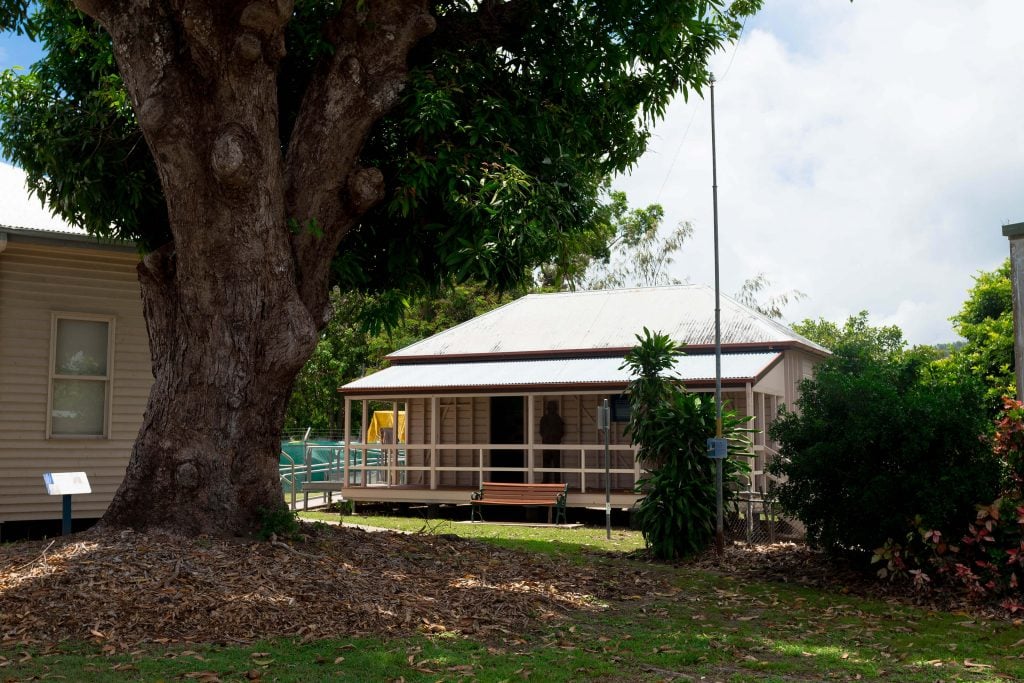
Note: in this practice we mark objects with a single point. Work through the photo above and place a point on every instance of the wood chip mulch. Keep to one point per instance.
(125, 588)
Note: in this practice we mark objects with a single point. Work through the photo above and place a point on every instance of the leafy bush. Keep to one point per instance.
(279, 522)
(671, 426)
(882, 439)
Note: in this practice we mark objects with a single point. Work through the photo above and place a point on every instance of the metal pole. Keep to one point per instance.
(307, 460)
(65, 524)
(719, 525)
(607, 472)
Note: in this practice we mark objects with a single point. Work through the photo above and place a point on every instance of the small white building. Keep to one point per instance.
(74, 358)
(474, 395)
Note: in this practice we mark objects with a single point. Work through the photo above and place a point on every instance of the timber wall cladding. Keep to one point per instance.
(36, 280)
(461, 420)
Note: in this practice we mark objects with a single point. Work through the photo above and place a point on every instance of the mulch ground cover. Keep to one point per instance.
(126, 588)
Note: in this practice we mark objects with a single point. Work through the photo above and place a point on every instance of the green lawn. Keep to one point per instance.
(549, 539)
(706, 626)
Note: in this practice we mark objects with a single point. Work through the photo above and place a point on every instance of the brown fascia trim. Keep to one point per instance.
(609, 352)
(64, 239)
(768, 368)
(516, 389)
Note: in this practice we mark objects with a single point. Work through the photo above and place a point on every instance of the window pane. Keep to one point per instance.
(81, 347)
(78, 407)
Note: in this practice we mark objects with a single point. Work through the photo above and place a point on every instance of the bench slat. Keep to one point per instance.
(510, 493)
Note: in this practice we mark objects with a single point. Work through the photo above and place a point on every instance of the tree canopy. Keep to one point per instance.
(883, 343)
(493, 157)
(986, 323)
(635, 254)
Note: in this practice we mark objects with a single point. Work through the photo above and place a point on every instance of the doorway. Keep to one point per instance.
(507, 428)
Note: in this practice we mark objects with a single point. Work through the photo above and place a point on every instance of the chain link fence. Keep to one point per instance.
(756, 520)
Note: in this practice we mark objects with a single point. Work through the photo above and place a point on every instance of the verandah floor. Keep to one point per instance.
(415, 493)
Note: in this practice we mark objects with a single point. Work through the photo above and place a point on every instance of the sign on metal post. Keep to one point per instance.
(718, 449)
(66, 484)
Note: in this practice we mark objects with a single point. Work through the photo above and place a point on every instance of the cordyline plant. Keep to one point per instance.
(671, 427)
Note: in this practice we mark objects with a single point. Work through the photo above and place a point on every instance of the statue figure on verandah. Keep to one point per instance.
(552, 429)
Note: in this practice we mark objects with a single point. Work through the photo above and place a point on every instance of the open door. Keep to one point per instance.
(507, 417)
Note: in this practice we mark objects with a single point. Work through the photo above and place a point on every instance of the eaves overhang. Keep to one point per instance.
(560, 375)
(16, 235)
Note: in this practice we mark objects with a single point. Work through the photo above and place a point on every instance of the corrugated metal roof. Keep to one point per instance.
(20, 210)
(578, 371)
(607, 319)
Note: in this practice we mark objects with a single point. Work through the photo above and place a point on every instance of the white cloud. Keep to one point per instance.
(868, 155)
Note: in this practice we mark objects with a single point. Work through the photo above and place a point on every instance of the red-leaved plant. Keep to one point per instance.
(1009, 441)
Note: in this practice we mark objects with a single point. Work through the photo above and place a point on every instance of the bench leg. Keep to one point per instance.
(549, 515)
(475, 514)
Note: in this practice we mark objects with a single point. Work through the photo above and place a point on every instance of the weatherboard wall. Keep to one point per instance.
(37, 279)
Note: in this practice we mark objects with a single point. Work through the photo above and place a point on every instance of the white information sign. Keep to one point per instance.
(66, 483)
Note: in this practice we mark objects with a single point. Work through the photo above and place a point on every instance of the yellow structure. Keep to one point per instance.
(385, 419)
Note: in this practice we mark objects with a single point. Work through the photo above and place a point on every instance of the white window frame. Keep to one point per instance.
(108, 379)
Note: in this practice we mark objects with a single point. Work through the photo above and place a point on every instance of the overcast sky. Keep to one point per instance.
(868, 155)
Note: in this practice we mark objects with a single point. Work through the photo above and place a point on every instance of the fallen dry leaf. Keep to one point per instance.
(976, 665)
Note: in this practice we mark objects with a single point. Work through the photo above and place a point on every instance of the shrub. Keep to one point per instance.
(279, 522)
(882, 440)
(671, 426)
(987, 561)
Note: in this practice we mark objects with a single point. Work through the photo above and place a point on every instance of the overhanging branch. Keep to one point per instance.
(349, 92)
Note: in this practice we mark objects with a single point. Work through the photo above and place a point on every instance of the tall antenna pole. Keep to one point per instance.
(719, 523)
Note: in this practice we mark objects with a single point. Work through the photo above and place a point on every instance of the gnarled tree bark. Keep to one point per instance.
(234, 304)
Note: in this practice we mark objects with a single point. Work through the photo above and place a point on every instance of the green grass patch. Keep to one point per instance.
(570, 541)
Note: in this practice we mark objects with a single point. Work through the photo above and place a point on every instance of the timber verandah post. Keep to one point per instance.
(347, 447)
(530, 439)
(435, 412)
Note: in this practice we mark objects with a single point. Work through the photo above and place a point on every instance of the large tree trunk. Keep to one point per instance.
(233, 306)
(227, 344)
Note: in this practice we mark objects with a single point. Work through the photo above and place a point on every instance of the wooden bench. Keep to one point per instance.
(551, 496)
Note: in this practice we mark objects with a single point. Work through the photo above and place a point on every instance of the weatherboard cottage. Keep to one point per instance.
(475, 395)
